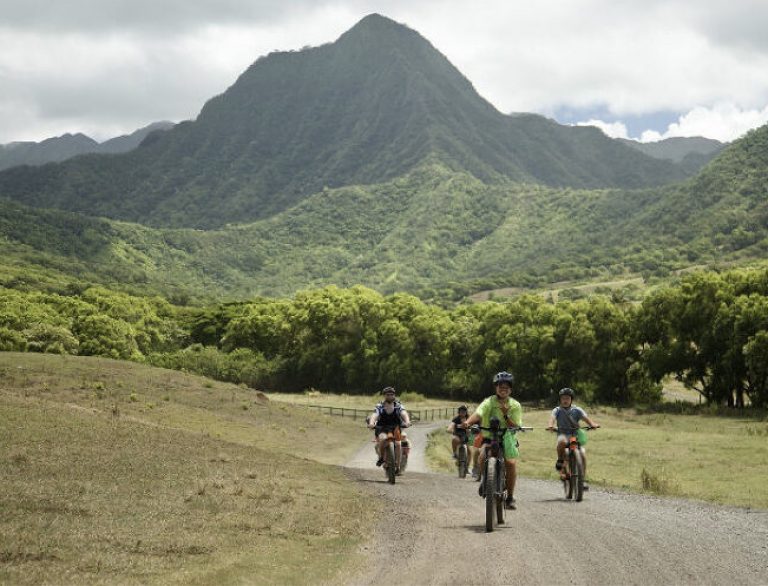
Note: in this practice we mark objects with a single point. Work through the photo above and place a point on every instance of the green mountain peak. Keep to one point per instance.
(365, 109)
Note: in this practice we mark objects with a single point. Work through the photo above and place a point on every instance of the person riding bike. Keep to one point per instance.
(565, 418)
(387, 414)
(510, 414)
(461, 434)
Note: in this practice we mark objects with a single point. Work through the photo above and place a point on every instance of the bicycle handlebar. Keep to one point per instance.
(390, 426)
(558, 430)
(514, 429)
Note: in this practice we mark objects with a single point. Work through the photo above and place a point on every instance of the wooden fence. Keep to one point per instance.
(416, 414)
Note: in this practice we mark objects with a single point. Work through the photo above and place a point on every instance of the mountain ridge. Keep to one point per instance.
(60, 148)
(367, 108)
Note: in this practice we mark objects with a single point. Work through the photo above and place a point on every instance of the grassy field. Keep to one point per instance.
(718, 458)
(113, 472)
(714, 458)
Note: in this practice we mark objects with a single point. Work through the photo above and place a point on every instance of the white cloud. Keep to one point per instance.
(122, 64)
(724, 122)
(612, 129)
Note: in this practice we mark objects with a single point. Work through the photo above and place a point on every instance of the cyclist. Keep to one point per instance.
(509, 413)
(388, 413)
(565, 418)
(456, 427)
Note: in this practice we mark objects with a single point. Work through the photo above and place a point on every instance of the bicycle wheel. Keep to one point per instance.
(578, 475)
(462, 461)
(403, 460)
(571, 490)
(501, 491)
(490, 490)
(391, 462)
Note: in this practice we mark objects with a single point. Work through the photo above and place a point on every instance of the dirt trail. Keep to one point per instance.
(435, 525)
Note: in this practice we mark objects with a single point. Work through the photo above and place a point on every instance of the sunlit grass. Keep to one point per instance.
(113, 472)
(715, 458)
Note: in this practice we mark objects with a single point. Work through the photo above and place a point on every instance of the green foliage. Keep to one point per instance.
(96, 322)
(710, 332)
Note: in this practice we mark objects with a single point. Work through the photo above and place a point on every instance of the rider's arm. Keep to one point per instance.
(405, 418)
(552, 424)
(516, 415)
(374, 418)
(452, 427)
(472, 420)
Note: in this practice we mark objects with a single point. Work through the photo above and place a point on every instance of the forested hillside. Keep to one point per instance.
(64, 147)
(435, 232)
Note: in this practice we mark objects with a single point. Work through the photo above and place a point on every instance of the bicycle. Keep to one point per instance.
(390, 465)
(572, 474)
(494, 474)
(462, 452)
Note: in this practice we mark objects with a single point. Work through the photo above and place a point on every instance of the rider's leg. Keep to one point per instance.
(511, 466)
(455, 441)
(382, 446)
(473, 452)
(562, 443)
(398, 453)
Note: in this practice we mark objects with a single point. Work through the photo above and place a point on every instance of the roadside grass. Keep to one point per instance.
(720, 459)
(114, 472)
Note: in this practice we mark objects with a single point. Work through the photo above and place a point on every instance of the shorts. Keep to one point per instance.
(580, 434)
(510, 444)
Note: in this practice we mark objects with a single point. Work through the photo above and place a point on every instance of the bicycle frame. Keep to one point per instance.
(572, 473)
(495, 471)
(392, 450)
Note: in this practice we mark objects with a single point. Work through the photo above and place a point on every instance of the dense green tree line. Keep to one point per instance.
(710, 331)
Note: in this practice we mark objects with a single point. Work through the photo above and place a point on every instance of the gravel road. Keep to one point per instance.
(435, 529)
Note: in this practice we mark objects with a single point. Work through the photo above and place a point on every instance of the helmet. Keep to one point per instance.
(388, 390)
(567, 391)
(462, 408)
(503, 377)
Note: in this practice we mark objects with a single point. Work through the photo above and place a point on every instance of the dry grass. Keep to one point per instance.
(112, 472)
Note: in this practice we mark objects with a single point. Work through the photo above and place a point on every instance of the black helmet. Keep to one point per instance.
(462, 408)
(388, 390)
(567, 391)
(503, 377)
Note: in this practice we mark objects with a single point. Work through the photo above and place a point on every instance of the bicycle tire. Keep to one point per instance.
(579, 476)
(391, 462)
(571, 492)
(490, 490)
(403, 461)
(501, 490)
(462, 461)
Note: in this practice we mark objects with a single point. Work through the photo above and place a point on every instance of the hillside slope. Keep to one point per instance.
(432, 230)
(114, 472)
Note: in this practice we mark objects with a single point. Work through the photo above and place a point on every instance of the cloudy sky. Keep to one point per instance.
(644, 69)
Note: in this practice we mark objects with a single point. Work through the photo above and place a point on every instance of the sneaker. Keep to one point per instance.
(559, 465)
(380, 461)
(474, 475)
(586, 487)
(510, 503)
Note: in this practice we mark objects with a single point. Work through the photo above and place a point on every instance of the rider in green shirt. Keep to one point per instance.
(510, 413)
